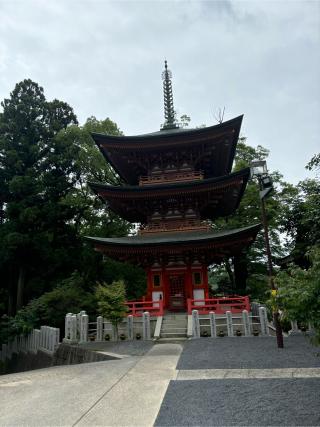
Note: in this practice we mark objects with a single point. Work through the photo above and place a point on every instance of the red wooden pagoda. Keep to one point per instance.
(177, 182)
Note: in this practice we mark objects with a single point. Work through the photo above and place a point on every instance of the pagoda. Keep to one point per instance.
(176, 183)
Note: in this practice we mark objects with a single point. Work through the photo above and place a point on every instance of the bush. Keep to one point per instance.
(49, 309)
(299, 293)
(111, 301)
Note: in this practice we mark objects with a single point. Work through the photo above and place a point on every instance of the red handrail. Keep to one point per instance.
(235, 304)
(137, 308)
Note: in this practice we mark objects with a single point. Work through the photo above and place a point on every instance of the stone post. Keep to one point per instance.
(213, 324)
(146, 325)
(294, 328)
(73, 329)
(67, 326)
(229, 323)
(246, 323)
(57, 340)
(195, 324)
(42, 337)
(99, 328)
(84, 324)
(130, 327)
(37, 339)
(263, 321)
(53, 339)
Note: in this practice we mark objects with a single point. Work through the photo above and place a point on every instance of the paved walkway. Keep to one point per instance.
(170, 387)
(127, 392)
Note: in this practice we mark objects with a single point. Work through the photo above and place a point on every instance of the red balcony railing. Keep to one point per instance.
(137, 308)
(235, 304)
(169, 177)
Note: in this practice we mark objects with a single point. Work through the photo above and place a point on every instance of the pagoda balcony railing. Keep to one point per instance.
(172, 226)
(235, 304)
(137, 308)
(170, 177)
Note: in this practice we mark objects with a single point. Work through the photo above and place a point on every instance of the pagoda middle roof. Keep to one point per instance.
(175, 238)
(211, 246)
(213, 148)
(215, 196)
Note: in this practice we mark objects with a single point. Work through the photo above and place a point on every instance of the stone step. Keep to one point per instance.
(171, 339)
(173, 328)
(173, 334)
(174, 323)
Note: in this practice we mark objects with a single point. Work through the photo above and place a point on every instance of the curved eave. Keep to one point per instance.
(130, 201)
(114, 148)
(212, 245)
(150, 140)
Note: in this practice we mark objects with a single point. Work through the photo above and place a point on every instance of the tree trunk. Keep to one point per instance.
(230, 273)
(20, 288)
(240, 273)
(11, 308)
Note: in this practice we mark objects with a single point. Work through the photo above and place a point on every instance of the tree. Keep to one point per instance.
(250, 266)
(111, 302)
(28, 127)
(299, 292)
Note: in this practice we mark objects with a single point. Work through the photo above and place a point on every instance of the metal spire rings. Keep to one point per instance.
(169, 113)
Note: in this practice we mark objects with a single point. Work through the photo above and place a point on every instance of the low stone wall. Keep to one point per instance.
(73, 355)
(20, 362)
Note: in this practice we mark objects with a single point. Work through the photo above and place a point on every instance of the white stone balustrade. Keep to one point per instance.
(130, 327)
(195, 324)
(232, 324)
(213, 324)
(229, 323)
(45, 339)
(146, 325)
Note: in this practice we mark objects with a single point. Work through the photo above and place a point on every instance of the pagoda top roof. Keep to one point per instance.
(174, 238)
(213, 148)
(166, 136)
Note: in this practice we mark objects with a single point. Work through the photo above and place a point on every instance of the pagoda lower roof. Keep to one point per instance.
(212, 149)
(215, 197)
(212, 245)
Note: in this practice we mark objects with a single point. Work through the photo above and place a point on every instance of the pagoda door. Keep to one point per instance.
(177, 298)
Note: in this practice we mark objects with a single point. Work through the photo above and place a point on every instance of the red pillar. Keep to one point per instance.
(205, 281)
(188, 284)
(149, 284)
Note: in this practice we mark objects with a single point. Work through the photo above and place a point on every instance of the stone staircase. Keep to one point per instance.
(174, 326)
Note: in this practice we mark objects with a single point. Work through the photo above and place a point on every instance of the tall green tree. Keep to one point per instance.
(29, 156)
(302, 221)
(249, 268)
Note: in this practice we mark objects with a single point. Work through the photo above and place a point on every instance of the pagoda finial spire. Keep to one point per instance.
(169, 113)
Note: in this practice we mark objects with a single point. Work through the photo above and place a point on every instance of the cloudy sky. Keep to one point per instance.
(105, 58)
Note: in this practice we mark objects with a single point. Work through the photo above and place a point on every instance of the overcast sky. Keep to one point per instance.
(105, 58)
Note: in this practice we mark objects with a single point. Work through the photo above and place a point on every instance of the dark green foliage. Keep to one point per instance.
(299, 292)
(250, 267)
(302, 222)
(70, 295)
(37, 172)
(133, 277)
(46, 206)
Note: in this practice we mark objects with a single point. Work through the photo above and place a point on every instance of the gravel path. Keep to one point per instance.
(249, 352)
(267, 402)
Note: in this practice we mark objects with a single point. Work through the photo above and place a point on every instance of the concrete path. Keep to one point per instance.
(127, 392)
(206, 386)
